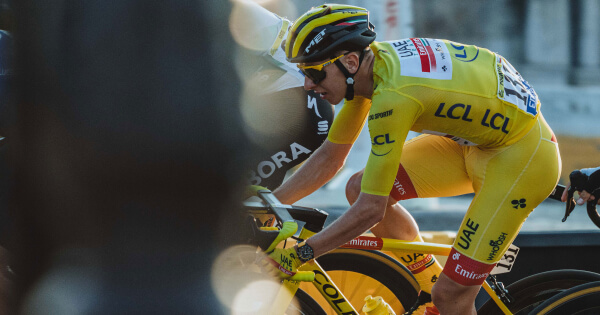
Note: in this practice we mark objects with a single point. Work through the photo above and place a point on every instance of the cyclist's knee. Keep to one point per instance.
(447, 294)
(353, 187)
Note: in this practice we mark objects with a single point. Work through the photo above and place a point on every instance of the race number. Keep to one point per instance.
(508, 260)
(512, 88)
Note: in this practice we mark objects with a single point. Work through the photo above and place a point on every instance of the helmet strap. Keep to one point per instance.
(350, 77)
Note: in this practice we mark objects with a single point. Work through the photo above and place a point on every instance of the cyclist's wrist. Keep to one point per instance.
(304, 252)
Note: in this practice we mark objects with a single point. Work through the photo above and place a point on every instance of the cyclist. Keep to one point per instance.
(289, 122)
(592, 184)
(482, 132)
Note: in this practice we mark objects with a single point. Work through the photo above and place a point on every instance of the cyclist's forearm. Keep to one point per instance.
(322, 165)
(304, 182)
(364, 214)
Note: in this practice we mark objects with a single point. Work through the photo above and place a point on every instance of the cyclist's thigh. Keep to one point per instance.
(509, 183)
(431, 166)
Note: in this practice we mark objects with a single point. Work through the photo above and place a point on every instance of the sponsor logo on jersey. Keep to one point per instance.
(266, 168)
(466, 270)
(500, 73)
(317, 39)
(462, 54)
(312, 104)
(496, 245)
(519, 203)
(459, 270)
(398, 187)
(380, 140)
(420, 266)
(423, 58)
(323, 127)
(410, 258)
(462, 112)
(428, 61)
(381, 115)
(469, 230)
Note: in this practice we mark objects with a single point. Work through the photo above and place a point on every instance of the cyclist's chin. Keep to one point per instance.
(334, 99)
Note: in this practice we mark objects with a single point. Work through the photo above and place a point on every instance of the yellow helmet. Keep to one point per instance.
(327, 29)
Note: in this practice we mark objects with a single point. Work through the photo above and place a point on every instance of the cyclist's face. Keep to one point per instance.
(332, 87)
(315, 71)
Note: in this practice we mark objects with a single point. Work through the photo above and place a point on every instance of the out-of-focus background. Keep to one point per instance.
(554, 44)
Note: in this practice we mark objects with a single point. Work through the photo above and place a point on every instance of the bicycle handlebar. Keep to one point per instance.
(557, 192)
(287, 215)
(313, 218)
(580, 180)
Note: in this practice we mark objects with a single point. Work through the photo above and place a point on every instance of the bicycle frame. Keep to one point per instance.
(336, 298)
(315, 219)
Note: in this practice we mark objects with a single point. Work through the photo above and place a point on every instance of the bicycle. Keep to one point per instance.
(343, 277)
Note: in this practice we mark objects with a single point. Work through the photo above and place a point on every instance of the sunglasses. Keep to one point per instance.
(316, 72)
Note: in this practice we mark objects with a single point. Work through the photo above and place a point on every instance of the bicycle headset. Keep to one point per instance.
(329, 29)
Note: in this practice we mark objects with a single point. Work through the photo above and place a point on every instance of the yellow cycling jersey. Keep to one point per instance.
(463, 92)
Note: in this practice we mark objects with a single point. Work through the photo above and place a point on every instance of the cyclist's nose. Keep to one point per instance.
(309, 84)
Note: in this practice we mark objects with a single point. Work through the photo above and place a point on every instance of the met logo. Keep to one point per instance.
(315, 41)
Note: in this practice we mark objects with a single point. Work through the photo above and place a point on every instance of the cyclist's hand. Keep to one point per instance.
(587, 182)
(282, 263)
(584, 196)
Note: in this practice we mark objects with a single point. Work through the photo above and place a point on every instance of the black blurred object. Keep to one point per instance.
(129, 154)
(6, 123)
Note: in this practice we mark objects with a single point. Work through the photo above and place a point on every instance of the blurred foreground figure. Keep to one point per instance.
(286, 123)
(6, 223)
(129, 150)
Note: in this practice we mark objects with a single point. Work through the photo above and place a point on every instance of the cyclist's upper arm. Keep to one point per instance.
(349, 121)
(392, 116)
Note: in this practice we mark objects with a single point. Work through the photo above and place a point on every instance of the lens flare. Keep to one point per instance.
(252, 26)
(238, 283)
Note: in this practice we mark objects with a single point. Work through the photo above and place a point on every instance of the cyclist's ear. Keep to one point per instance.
(352, 62)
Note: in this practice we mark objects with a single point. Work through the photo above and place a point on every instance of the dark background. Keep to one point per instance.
(127, 152)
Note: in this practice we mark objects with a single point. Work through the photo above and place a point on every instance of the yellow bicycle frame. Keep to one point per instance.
(335, 297)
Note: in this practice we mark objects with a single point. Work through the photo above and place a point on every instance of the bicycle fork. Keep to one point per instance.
(498, 293)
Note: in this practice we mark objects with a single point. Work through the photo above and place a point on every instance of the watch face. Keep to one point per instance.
(305, 253)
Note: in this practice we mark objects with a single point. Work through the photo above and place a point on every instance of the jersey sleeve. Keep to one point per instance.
(392, 116)
(349, 121)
